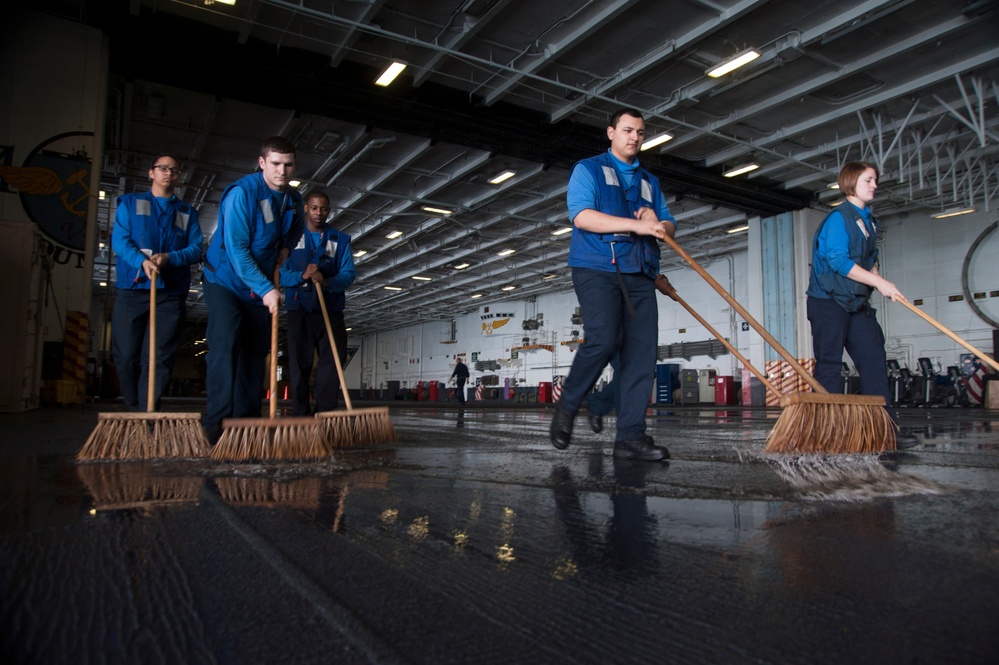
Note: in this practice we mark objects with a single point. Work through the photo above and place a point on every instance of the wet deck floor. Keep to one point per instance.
(473, 540)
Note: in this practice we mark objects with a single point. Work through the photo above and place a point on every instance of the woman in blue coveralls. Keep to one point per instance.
(844, 275)
(155, 236)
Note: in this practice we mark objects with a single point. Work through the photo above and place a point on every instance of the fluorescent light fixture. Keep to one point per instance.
(421, 278)
(502, 177)
(439, 211)
(295, 183)
(102, 195)
(739, 170)
(833, 205)
(390, 73)
(738, 229)
(462, 266)
(549, 277)
(103, 283)
(834, 185)
(506, 252)
(393, 288)
(394, 235)
(224, 2)
(349, 329)
(656, 140)
(736, 61)
(953, 212)
(478, 295)
(359, 253)
(562, 231)
(510, 287)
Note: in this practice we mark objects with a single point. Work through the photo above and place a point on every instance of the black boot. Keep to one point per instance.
(596, 423)
(561, 427)
(643, 449)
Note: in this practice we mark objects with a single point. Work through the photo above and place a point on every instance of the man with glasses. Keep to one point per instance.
(155, 236)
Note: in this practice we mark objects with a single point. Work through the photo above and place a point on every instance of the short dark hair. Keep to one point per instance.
(160, 156)
(317, 194)
(850, 174)
(616, 117)
(278, 144)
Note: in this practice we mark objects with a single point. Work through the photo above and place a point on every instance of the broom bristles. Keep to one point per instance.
(117, 486)
(832, 423)
(267, 440)
(357, 427)
(300, 492)
(145, 436)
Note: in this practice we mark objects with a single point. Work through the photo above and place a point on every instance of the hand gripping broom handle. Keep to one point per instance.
(735, 352)
(784, 353)
(151, 384)
(274, 349)
(336, 353)
(939, 326)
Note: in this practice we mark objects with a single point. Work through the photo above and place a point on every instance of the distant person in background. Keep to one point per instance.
(844, 275)
(321, 265)
(460, 376)
(619, 214)
(155, 236)
(260, 221)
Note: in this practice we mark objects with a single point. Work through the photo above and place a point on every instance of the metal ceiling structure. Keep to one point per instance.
(496, 85)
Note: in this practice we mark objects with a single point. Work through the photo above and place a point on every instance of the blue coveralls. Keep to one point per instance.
(330, 251)
(145, 225)
(839, 309)
(604, 268)
(255, 223)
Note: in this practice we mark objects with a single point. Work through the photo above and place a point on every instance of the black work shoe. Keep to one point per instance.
(596, 423)
(905, 439)
(640, 449)
(561, 428)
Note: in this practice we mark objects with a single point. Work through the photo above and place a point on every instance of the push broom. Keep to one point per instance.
(939, 326)
(149, 435)
(816, 422)
(728, 345)
(271, 439)
(353, 427)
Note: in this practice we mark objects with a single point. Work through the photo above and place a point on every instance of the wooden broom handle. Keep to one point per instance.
(274, 349)
(336, 352)
(939, 326)
(727, 345)
(791, 360)
(151, 382)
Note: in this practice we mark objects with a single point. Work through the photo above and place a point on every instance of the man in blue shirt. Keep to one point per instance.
(619, 213)
(155, 236)
(260, 220)
(321, 265)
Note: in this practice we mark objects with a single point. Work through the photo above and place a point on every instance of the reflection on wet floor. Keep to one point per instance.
(473, 530)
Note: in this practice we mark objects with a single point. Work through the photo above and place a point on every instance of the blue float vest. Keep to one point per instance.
(327, 254)
(849, 294)
(269, 228)
(599, 251)
(159, 234)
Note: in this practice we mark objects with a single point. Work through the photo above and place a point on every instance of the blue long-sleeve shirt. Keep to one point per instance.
(330, 251)
(144, 225)
(255, 222)
(833, 242)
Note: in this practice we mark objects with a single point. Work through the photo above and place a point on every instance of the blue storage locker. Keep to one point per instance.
(667, 382)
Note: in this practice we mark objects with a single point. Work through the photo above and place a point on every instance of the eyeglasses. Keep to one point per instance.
(163, 168)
